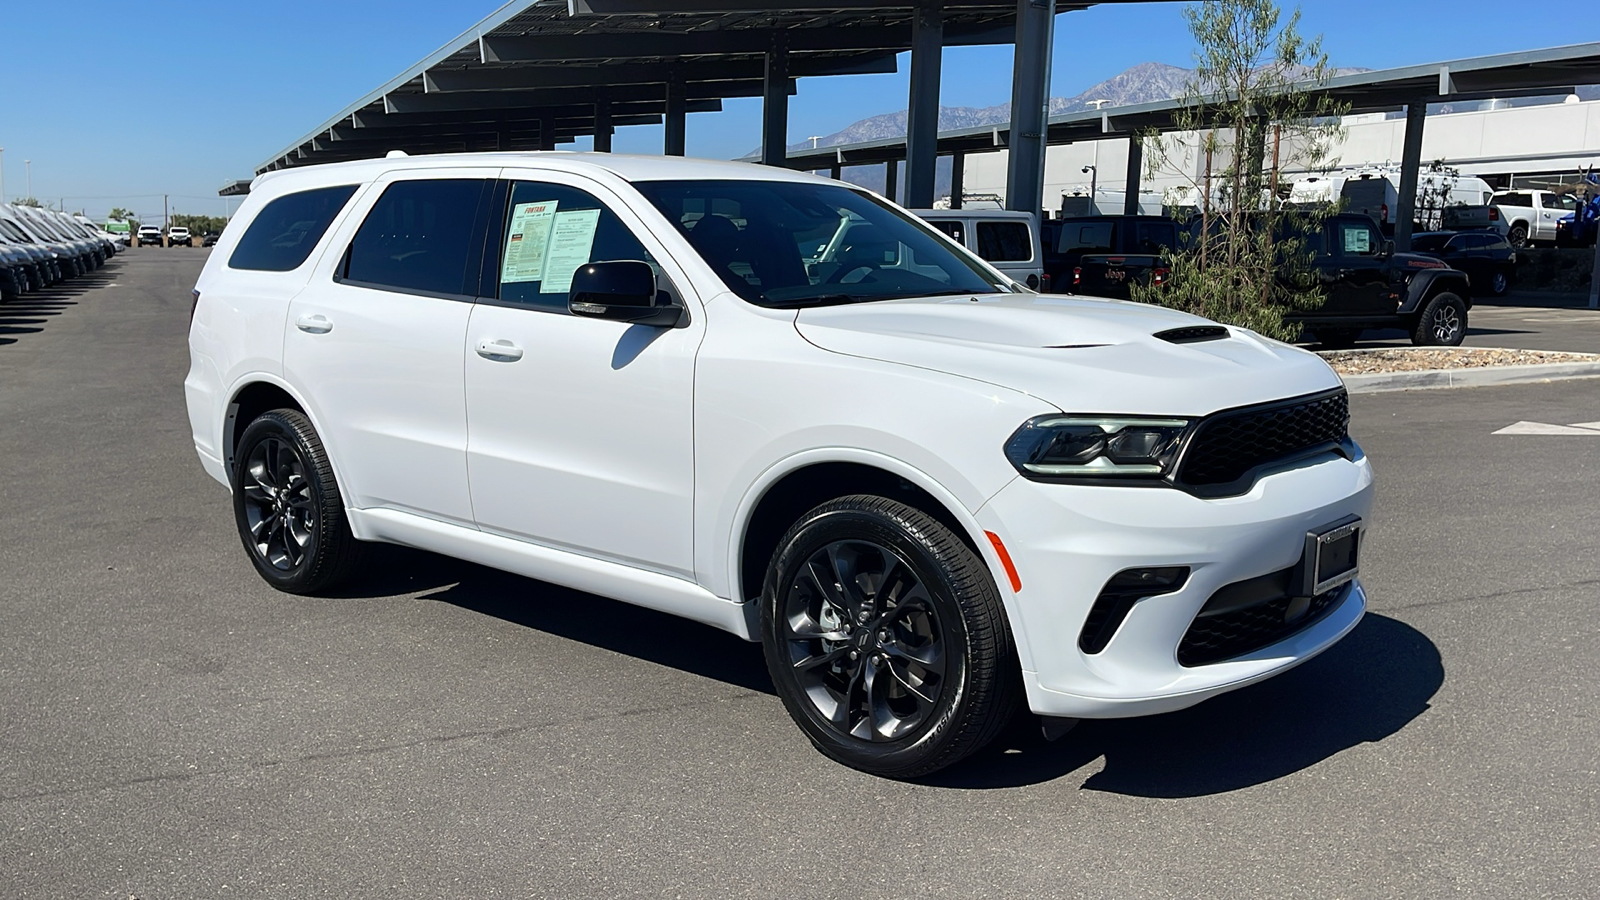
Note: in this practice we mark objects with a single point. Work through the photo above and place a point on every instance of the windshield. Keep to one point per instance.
(786, 244)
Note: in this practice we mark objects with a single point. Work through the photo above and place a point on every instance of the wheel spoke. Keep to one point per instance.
(844, 573)
(822, 659)
(816, 632)
(917, 691)
(830, 592)
(930, 657)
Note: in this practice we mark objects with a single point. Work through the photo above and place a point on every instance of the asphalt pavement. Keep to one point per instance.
(170, 727)
(1518, 321)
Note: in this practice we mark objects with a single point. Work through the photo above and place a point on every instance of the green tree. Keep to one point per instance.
(199, 224)
(1250, 111)
(29, 201)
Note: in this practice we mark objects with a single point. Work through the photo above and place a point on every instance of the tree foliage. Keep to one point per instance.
(1249, 112)
(198, 224)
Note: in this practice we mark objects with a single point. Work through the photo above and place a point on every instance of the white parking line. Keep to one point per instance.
(1591, 429)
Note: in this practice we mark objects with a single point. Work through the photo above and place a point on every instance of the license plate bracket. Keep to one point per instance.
(1332, 556)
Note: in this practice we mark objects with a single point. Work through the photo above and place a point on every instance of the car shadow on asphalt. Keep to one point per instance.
(612, 625)
(1362, 690)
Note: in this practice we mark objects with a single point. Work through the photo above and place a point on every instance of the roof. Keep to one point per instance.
(530, 73)
(1525, 73)
(627, 167)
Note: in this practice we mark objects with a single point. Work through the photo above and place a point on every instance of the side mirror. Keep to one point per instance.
(1388, 249)
(622, 291)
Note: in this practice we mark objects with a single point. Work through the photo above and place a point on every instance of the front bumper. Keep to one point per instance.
(1067, 541)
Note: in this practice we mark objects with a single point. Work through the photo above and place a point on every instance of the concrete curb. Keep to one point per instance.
(1483, 376)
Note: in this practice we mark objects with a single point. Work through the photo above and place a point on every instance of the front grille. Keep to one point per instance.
(1228, 445)
(1234, 633)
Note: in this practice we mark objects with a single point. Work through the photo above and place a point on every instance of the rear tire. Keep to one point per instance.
(1442, 322)
(886, 638)
(1518, 236)
(1499, 283)
(288, 508)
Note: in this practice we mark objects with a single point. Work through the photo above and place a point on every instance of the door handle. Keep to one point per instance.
(314, 324)
(499, 351)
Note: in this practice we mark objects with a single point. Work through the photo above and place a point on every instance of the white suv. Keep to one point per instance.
(930, 493)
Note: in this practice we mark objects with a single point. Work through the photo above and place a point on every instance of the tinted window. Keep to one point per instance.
(1430, 243)
(758, 236)
(954, 229)
(1357, 239)
(1155, 237)
(551, 231)
(285, 231)
(1004, 241)
(418, 236)
(1086, 238)
(1562, 201)
(1515, 200)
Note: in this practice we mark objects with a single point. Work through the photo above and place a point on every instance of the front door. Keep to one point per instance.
(1360, 283)
(580, 432)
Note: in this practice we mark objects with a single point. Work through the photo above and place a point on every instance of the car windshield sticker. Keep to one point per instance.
(530, 233)
(1357, 240)
(571, 241)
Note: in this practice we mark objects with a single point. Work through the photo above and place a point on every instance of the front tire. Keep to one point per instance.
(1442, 322)
(886, 638)
(1499, 282)
(288, 508)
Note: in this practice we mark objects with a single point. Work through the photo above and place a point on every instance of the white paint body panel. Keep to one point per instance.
(627, 461)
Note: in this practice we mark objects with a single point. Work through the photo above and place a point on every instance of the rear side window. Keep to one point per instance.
(1155, 237)
(1086, 238)
(285, 231)
(1004, 241)
(418, 237)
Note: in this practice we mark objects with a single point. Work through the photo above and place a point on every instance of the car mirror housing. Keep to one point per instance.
(622, 291)
(1388, 249)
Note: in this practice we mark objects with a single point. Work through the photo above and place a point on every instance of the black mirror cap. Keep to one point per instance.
(625, 283)
(1388, 248)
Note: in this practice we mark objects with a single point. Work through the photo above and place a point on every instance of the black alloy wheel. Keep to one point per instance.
(288, 508)
(886, 638)
(1518, 235)
(1442, 323)
(1499, 282)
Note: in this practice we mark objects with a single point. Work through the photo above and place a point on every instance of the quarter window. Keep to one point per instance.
(1004, 242)
(286, 230)
(951, 228)
(551, 231)
(418, 237)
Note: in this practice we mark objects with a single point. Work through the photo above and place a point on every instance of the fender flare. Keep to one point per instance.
(1423, 285)
(975, 532)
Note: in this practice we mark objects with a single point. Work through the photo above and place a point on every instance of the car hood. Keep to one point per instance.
(1081, 355)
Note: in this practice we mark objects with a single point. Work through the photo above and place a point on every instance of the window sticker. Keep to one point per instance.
(571, 242)
(1357, 240)
(529, 235)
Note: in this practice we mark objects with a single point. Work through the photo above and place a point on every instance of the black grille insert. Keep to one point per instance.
(1235, 632)
(1193, 334)
(1227, 446)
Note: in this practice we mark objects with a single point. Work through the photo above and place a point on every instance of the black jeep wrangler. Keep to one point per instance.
(1368, 285)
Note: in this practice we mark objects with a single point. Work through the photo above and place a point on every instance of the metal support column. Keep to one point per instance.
(775, 103)
(958, 178)
(602, 121)
(891, 179)
(677, 113)
(547, 133)
(922, 112)
(1030, 92)
(836, 172)
(1410, 163)
(1130, 202)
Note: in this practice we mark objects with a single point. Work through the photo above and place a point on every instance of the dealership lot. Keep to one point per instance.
(174, 728)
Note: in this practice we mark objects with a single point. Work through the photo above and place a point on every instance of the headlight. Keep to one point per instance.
(1076, 446)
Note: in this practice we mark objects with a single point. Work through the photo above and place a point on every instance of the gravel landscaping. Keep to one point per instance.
(1419, 359)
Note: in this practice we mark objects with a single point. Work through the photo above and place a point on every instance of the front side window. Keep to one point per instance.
(551, 231)
(759, 238)
(286, 230)
(1358, 239)
(1004, 241)
(418, 237)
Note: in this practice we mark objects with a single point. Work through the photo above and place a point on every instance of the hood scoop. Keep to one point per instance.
(1193, 334)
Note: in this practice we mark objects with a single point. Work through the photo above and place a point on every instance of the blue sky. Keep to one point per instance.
(119, 103)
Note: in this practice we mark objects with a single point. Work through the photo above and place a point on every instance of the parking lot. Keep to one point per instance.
(175, 728)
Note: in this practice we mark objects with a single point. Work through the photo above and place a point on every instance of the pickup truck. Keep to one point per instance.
(178, 235)
(1531, 216)
(149, 234)
(1100, 256)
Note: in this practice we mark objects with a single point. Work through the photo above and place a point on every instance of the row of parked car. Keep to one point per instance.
(150, 235)
(39, 247)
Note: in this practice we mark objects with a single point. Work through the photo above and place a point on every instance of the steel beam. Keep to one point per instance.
(451, 81)
(775, 103)
(922, 111)
(602, 121)
(891, 179)
(663, 7)
(1410, 163)
(672, 142)
(958, 178)
(1130, 202)
(1030, 93)
(896, 36)
(409, 104)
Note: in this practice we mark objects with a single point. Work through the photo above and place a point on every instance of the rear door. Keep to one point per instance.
(376, 341)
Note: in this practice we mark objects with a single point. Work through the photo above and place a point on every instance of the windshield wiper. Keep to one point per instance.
(818, 300)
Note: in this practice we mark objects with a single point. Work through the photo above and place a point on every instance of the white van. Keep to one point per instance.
(1007, 240)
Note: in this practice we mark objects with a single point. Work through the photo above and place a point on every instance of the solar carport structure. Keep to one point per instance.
(538, 73)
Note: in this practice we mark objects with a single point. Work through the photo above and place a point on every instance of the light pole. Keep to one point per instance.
(28, 163)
